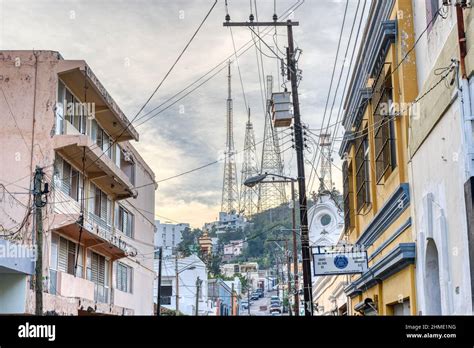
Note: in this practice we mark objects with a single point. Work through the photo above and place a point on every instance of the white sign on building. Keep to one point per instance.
(339, 263)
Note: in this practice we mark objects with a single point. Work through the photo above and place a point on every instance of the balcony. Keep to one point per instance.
(97, 234)
(99, 167)
(69, 286)
(76, 74)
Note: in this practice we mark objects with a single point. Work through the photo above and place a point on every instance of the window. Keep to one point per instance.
(384, 127)
(363, 171)
(96, 270)
(125, 221)
(72, 109)
(124, 277)
(127, 165)
(102, 139)
(101, 204)
(166, 294)
(348, 196)
(326, 220)
(69, 179)
(63, 256)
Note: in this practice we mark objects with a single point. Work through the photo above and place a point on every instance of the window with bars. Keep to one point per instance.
(363, 171)
(124, 277)
(348, 194)
(384, 127)
(125, 221)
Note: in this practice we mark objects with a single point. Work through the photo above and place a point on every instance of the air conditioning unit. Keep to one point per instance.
(127, 156)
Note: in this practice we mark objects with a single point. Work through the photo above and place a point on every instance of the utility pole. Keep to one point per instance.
(296, 309)
(232, 300)
(288, 262)
(299, 144)
(248, 293)
(177, 285)
(308, 296)
(38, 193)
(198, 287)
(158, 295)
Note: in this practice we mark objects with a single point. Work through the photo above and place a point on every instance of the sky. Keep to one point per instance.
(130, 46)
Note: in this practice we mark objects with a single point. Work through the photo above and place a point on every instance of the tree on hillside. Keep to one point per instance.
(189, 243)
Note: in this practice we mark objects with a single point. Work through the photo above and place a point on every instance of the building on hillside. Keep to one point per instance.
(232, 269)
(375, 171)
(169, 236)
(441, 154)
(226, 222)
(98, 218)
(233, 249)
(326, 229)
(191, 271)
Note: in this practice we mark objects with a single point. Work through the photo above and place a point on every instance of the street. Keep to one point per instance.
(263, 302)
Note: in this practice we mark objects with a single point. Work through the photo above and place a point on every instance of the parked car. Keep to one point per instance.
(260, 292)
(244, 305)
(275, 309)
(255, 296)
(275, 314)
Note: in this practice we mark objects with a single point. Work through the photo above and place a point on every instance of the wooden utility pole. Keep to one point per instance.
(39, 204)
(299, 145)
(158, 295)
(288, 263)
(177, 285)
(296, 309)
(198, 287)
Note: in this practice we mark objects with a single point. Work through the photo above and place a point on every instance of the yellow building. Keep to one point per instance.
(374, 149)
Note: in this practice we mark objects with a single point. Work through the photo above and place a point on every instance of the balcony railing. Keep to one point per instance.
(106, 232)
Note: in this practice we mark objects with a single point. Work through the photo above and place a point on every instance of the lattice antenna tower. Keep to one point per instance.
(271, 195)
(230, 192)
(249, 195)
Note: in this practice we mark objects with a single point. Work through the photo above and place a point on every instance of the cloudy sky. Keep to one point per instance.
(130, 45)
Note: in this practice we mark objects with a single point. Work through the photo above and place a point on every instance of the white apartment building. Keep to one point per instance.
(98, 218)
(169, 236)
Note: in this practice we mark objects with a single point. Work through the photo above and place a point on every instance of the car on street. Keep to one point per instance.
(274, 308)
(244, 305)
(260, 292)
(255, 296)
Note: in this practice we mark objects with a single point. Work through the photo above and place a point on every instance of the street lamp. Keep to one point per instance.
(263, 179)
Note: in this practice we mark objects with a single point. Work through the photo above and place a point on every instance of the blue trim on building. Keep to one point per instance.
(381, 32)
(400, 257)
(394, 236)
(391, 210)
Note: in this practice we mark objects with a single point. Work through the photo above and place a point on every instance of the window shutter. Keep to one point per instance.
(66, 178)
(103, 206)
(101, 270)
(62, 256)
(71, 257)
(94, 267)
